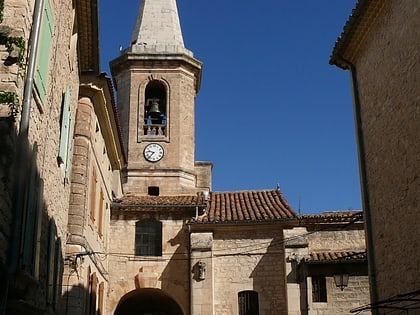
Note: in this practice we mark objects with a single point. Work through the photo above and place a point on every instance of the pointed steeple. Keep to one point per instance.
(158, 29)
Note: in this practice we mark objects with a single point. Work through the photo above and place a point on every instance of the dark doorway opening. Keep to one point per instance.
(148, 302)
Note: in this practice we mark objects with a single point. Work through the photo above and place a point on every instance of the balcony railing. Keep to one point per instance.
(154, 129)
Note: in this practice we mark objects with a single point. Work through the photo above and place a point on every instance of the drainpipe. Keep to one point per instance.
(364, 182)
(21, 154)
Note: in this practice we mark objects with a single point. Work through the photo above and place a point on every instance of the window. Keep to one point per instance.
(319, 289)
(53, 263)
(155, 111)
(153, 191)
(92, 196)
(148, 240)
(248, 303)
(66, 135)
(93, 290)
(101, 213)
(101, 299)
(32, 219)
(46, 34)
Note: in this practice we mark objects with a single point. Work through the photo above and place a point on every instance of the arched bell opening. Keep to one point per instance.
(148, 301)
(155, 109)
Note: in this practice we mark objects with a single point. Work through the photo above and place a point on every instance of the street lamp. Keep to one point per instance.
(341, 281)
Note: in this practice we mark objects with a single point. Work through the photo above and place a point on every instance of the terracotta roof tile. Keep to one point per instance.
(358, 23)
(333, 217)
(246, 206)
(130, 200)
(328, 257)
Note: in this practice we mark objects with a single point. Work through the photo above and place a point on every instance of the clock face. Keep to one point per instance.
(153, 152)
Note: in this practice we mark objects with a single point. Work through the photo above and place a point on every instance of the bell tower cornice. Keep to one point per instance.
(155, 61)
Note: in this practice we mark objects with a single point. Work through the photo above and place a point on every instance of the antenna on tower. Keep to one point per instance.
(300, 197)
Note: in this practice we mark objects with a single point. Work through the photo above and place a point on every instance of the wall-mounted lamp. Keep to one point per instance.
(341, 281)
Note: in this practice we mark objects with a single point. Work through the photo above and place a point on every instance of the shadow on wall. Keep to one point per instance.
(269, 278)
(175, 277)
(31, 256)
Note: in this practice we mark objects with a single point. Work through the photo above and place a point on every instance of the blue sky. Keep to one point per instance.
(271, 110)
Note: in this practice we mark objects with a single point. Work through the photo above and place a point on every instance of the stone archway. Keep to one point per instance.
(147, 302)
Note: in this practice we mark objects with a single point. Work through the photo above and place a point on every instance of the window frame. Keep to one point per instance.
(148, 238)
(248, 303)
(319, 289)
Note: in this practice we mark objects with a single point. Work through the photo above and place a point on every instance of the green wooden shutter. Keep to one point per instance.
(46, 34)
(69, 146)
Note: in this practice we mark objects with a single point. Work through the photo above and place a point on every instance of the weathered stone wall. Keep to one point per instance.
(169, 273)
(337, 240)
(175, 172)
(388, 72)
(44, 126)
(299, 243)
(341, 302)
(16, 20)
(249, 260)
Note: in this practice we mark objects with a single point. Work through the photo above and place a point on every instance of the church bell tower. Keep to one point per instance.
(157, 80)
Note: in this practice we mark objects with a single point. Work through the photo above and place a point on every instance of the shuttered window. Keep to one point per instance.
(66, 135)
(32, 219)
(248, 303)
(43, 57)
(93, 293)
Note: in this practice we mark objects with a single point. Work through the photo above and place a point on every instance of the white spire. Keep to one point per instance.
(157, 28)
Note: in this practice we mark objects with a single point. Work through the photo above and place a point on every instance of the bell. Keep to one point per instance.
(153, 107)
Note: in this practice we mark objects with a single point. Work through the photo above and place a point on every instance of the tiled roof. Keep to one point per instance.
(362, 16)
(88, 35)
(345, 216)
(133, 200)
(331, 257)
(246, 206)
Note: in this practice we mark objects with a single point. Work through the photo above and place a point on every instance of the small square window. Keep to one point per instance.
(153, 191)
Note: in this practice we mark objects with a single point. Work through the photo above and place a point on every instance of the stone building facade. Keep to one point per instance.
(108, 212)
(54, 44)
(379, 46)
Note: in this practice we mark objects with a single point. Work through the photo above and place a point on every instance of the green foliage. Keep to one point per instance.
(12, 100)
(11, 42)
(1, 10)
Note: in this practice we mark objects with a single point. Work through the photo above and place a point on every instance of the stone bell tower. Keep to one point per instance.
(157, 79)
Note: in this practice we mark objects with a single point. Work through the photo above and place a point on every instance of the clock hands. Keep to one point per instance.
(149, 153)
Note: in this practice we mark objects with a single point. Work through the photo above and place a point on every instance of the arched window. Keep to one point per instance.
(248, 303)
(148, 240)
(155, 109)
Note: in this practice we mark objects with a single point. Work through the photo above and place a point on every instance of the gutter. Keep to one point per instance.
(22, 154)
(347, 65)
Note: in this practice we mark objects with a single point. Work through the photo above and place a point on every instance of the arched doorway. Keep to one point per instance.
(147, 302)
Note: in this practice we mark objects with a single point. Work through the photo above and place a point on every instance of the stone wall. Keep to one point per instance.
(169, 272)
(249, 260)
(44, 126)
(387, 70)
(341, 302)
(300, 242)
